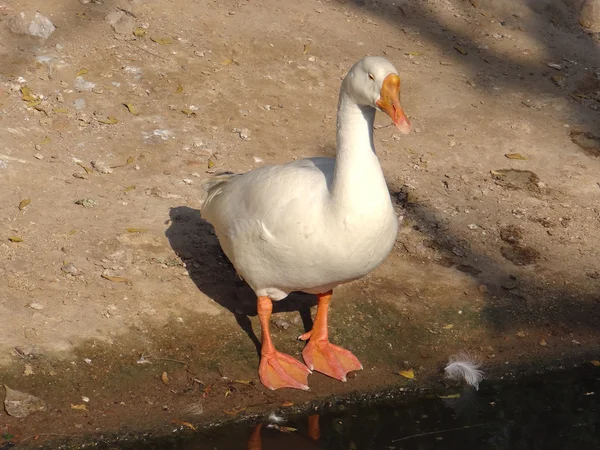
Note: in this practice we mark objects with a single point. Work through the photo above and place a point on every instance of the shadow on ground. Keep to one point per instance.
(193, 240)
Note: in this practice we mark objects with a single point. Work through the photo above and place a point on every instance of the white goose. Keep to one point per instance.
(313, 224)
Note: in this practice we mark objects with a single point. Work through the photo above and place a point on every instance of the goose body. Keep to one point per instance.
(315, 223)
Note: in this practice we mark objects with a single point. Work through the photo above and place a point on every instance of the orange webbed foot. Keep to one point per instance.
(278, 370)
(329, 359)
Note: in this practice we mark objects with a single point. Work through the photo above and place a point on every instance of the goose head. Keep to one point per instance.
(373, 81)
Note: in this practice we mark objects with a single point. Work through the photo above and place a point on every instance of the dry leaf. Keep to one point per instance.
(410, 374)
(448, 327)
(110, 120)
(81, 407)
(20, 404)
(61, 110)
(287, 429)
(139, 32)
(136, 230)
(28, 370)
(33, 103)
(131, 159)
(595, 363)
(449, 396)
(72, 232)
(211, 163)
(45, 141)
(188, 112)
(235, 412)
(24, 204)
(227, 61)
(161, 41)
(129, 188)
(306, 48)
(243, 381)
(179, 89)
(515, 156)
(15, 239)
(165, 378)
(287, 404)
(460, 50)
(116, 279)
(185, 424)
(132, 109)
(81, 72)
(27, 95)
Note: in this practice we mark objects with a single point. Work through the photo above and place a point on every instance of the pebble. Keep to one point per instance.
(559, 80)
(120, 22)
(70, 269)
(35, 25)
(36, 306)
(79, 104)
(87, 202)
(101, 166)
(244, 133)
(38, 156)
(83, 86)
(472, 226)
(188, 181)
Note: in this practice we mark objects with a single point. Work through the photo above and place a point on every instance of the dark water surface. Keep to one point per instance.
(558, 410)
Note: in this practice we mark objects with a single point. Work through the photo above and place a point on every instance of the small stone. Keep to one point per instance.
(554, 66)
(244, 133)
(83, 86)
(521, 334)
(121, 23)
(559, 80)
(38, 156)
(543, 343)
(472, 226)
(512, 234)
(509, 285)
(79, 104)
(87, 202)
(36, 306)
(30, 24)
(458, 251)
(188, 181)
(482, 288)
(281, 324)
(101, 167)
(70, 269)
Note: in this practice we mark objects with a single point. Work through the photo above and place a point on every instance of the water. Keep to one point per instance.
(557, 410)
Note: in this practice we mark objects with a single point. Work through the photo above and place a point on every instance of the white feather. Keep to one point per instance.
(464, 366)
(275, 418)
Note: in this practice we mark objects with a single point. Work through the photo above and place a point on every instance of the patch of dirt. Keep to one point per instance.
(587, 141)
(520, 255)
(110, 277)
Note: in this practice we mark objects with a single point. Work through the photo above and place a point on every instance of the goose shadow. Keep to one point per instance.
(195, 243)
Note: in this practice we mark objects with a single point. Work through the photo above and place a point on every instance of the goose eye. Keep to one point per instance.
(371, 76)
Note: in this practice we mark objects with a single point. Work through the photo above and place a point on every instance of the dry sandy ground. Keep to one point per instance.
(497, 256)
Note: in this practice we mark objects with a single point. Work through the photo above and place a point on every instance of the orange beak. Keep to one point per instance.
(389, 102)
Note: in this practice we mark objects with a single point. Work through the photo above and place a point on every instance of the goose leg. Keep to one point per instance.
(277, 370)
(320, 354)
